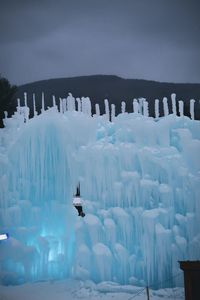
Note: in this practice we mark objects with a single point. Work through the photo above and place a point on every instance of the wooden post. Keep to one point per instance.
(147, 290)
(191, 279)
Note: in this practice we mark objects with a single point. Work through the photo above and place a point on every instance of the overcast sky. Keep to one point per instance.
(144, 39)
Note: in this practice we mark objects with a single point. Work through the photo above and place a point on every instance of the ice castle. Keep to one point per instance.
(140, 185)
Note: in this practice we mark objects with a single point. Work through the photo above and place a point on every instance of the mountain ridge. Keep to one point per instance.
(109, 76)
(111, 87)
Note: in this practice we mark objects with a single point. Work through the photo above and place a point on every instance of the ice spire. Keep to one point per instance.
(146, 108)
(5, 114)
(173, 97)
(79, 104)
(64, 105)
(18, 106)
(97, 109)
(25, 99)
(135, 106)
(86, 106)
(34, 106)
(192, 101)
(18, 102)
(123, 107)
(89, 107)
(61, 105)
(112, 112)
(181, 108)
(141, 101)
(70, 102)
(83, 105)
(54, 100)
(42, 110)
(107, 111)
(157, 114)
(165, 106)
(25, 109)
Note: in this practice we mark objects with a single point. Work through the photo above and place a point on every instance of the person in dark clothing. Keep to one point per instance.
(77, 202)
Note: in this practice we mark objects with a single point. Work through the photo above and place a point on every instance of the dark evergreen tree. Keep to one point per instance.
(7, 103)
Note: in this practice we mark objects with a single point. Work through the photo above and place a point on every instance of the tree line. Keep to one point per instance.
(7, 92)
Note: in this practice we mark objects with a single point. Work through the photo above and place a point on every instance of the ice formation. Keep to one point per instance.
(140, 182)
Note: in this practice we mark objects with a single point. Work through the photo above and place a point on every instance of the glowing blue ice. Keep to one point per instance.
(140, 182)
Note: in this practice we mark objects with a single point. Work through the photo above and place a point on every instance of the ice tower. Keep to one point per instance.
(140, 181)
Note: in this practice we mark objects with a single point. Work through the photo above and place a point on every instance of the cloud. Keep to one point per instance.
(154, 39)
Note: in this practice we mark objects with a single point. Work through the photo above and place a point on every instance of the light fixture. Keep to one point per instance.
(3, 236)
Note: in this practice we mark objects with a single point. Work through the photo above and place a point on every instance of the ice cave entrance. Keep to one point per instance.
(41, 189)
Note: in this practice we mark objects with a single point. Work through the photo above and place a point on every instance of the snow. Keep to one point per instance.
(139, 179)
(75, 290)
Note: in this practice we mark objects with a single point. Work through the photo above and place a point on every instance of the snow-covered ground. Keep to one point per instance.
(74, 289)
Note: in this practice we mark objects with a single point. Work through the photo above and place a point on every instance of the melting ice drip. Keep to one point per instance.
(140, 181)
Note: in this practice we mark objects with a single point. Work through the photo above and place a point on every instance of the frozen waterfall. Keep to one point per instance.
(140, 185)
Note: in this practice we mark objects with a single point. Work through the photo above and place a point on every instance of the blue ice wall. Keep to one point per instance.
(140, 182)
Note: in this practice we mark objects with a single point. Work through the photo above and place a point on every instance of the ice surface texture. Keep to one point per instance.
(140, 182)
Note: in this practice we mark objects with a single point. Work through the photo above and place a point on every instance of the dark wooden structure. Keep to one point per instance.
(191, 279)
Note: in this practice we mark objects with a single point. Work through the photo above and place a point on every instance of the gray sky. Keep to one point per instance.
(143, 39)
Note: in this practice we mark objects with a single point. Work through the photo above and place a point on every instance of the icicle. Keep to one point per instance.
(123, 107)
(88, 107)
(141, 101)
(79, 104)
(97, 109)
(107, 112)
(54, 101)
(61, 106)
(73, 106)
(165, 107)
(157, 114)
(135, 106)
(5, 121)
(173, 97)
(181, 108)
(26, 114)
(34, 106)
(25, 99)
(83, 105)
(112, 112)
(146, 108)
(64, 105)
(18, 102)
(18, 106)
(192, 101)
(42, 110)
(70, 102)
